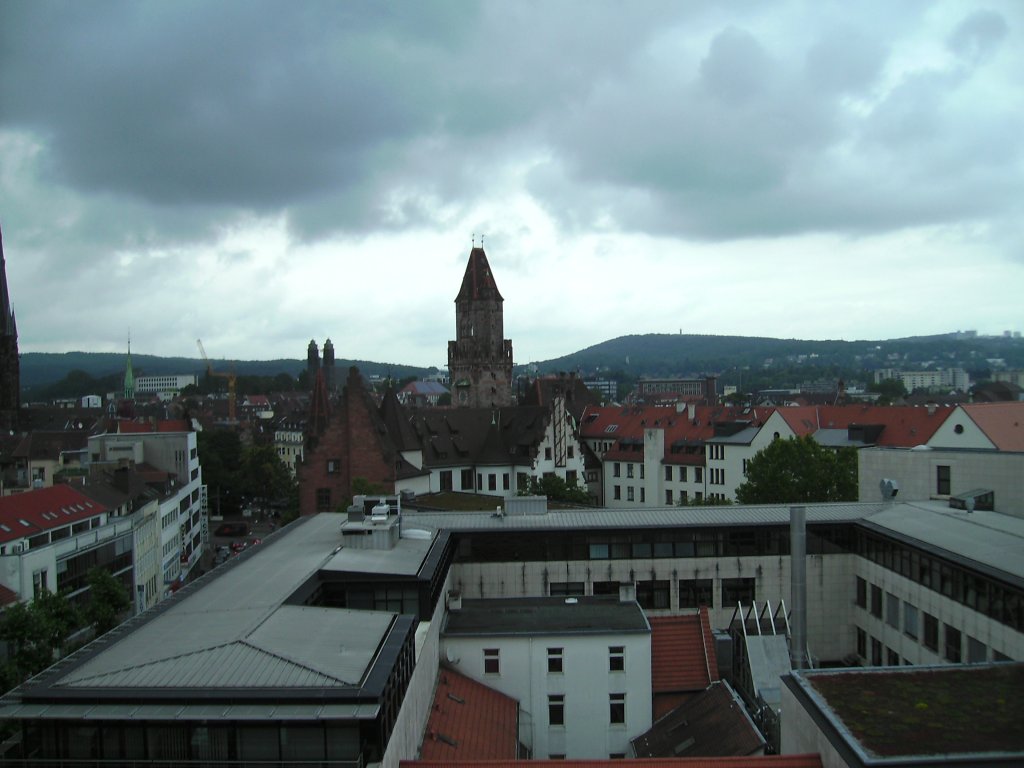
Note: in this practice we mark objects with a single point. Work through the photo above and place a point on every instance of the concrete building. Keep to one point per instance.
(166, 387)
(942, 380)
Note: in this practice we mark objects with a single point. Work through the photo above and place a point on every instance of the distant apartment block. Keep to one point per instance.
(607, 389)
(653, 390)
(164, 385)
(941, 379)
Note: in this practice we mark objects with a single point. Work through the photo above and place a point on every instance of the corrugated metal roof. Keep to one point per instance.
(235, 631)
(990, 538)
(654, 517)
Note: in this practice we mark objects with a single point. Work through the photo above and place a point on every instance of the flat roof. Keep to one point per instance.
(989, 541)
(639, 517)
(546, 616)
(897, 713)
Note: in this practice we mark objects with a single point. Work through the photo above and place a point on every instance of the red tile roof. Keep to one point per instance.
(905, 426)
(7, 596)
(682, 653)
(765, 761)
(1002, 423)
(29, 513)
(470, 721)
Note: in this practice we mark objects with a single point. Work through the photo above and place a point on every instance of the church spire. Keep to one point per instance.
(8, 326)
(129, 375)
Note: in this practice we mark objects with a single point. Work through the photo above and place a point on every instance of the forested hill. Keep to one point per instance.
(40, 369)
(687, 354)
(649, 355)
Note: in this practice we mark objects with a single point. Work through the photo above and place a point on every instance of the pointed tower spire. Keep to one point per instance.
(10, 365)
(129, 375)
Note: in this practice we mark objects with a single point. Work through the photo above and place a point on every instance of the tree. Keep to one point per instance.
(108, 600)
(33, 633)
(556, 489)
(264, 476)
(799, 470)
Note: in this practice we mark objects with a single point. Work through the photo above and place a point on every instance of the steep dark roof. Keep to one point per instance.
(8, 326)
(543, 390)
(396, 419)
(480, 435)
(713, 723)
(478, 282)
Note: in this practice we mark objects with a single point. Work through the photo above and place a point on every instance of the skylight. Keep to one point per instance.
(611, 428)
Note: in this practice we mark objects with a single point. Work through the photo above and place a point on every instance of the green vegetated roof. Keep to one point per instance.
(946, 710)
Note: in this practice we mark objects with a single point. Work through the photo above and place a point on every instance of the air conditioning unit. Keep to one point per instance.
(18, 547)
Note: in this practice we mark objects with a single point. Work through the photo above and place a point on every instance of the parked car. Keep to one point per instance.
(232, 529)
(237, 546)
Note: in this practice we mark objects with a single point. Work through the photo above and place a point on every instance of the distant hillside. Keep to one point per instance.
(39, 369)
(655, 355)
(651, 355)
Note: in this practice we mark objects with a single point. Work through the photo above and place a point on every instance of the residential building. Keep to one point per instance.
(942, 379)
(51, 537)
(654, 391)
(422, 394)
(581, 666)
(289, 438)
(166, 456)
(480, 358)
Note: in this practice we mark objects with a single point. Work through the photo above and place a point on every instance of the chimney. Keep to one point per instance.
(798, 586)
(691, 411)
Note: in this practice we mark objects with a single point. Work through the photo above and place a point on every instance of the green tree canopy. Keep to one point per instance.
(799, 470)
(108, 600)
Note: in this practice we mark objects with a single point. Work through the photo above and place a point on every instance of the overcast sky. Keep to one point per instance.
(257, 174)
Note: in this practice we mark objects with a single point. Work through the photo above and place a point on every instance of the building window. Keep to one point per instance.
(931, 633)
(39, 585)
(876, 601)
(446, 480)
(862, 643)
(616, 658)
(323, 499)
(492, 663)
(668, 473)
(876, 653)
(556, 709)
(910, 621)
(567, 589)
(892, 659)
(333, 466)
(653, 594)
(694, 593)
(977, 653)
(682, 474)
(642, 467)
(862, 593)
(570, 452)
(467, 480)
(547, 454)
(554, 661)
(492, 482)
(629, 470)
(643, 495)
(606, 588)
(698, 475)
(942, 476)
(615, 470)
(668, 496)
(892, 610)
(735, 591)
(616, 492)
(505, 481)
(617, 708)
(953, 648)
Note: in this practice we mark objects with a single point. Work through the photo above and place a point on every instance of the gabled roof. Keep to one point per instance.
(682, 653)
(48, 446)
(495, 436)
(425, 388)
(713, 723)
(478, 282)
(903, 426)
(8, 596)
(1002, 423)
(470, 721)
(543, 390)
(32, 512)
(396, 419)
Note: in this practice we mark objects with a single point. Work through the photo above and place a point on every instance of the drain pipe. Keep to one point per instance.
(798, 586)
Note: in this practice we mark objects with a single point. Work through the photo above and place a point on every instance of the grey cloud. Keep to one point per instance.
(978, 36)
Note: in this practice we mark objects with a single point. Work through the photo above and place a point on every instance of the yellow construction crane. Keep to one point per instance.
(231, 377)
